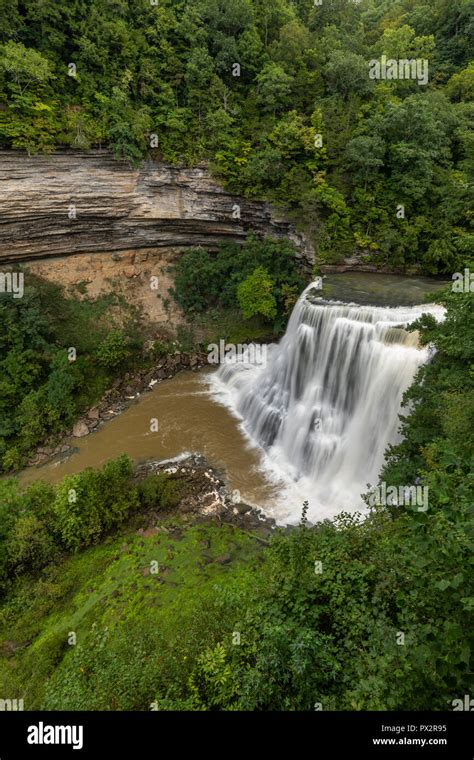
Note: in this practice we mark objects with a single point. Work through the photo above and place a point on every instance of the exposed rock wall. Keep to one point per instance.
(124, 273)
(73, 202)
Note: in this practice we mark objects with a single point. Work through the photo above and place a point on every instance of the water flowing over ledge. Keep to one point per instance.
(325, 405)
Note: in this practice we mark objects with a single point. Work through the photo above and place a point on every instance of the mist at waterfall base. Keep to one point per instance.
(326, 403)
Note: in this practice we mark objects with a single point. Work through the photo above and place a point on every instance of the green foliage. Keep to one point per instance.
(88, 505)
(160, 491)
(41, 391)
(113, 350)
(204, 280)
(167, 70)
(40, 522)
(30, 544)
(212, 678)
(161, 348)
(255, 295)
(274, 88)
(185, 340)
(23, 67)
(150, 489)
(172, 494)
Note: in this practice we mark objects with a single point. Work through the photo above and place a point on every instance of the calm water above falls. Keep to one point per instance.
(311, 424)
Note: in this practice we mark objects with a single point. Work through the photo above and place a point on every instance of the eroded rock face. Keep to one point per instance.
(127, 274)
(73, 202)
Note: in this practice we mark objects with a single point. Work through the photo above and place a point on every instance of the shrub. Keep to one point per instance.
(30, 544)
(172, 494)
(161, 348)
(151, 488)
(160, 490)
(91, 503)
(255, 295)
(112, 351)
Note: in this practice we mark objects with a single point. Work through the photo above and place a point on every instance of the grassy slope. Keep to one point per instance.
(109, 591)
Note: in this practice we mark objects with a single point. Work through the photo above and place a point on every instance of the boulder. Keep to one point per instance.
(80, 429)
(242, 508)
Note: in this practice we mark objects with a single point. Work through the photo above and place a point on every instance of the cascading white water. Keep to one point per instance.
(325, 404)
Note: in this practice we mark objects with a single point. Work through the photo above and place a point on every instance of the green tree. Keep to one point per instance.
(255, 295)
(274, 88)
(23, 67)
(30, 545)
(91, 503)
(113, 350)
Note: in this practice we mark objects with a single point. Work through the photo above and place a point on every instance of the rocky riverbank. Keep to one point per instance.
(123, 392)
(206, 497)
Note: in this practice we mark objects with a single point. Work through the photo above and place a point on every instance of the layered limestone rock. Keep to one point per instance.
(73, 202)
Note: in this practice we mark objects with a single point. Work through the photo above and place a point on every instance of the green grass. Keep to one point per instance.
(108, 591)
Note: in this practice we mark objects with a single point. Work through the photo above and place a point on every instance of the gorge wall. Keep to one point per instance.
(97, 225)
(74, 202)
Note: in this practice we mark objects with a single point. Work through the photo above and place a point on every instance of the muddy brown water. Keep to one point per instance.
(189, 420)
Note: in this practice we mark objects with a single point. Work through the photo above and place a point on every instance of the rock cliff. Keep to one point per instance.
(72, 202)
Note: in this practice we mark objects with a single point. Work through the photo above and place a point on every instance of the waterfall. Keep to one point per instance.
(325, 404)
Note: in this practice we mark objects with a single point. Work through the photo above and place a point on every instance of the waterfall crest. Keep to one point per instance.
(325, 405)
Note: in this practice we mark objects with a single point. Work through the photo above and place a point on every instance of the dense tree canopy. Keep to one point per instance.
(277, 95)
